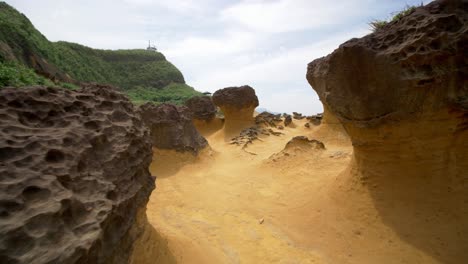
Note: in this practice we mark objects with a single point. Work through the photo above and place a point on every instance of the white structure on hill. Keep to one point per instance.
(151, 48)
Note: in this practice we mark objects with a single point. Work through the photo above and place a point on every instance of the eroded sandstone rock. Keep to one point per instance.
(202, 107)
(74, 175)
(268, 119)
(238, 105)
(400, 94)
(412, 65)
(172, 128)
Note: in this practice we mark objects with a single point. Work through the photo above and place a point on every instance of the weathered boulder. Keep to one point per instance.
(238, 105)
(172, 128)
(315, 119)
(303, 141)
(202, 107)
(401, 95)
(287, 120)
(414, 64)
(298, 116)
(268, 119)
(74, 175)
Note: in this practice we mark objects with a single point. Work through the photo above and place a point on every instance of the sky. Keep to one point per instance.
(266, 44)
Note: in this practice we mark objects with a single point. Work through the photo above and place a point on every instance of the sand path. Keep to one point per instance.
(228, 206)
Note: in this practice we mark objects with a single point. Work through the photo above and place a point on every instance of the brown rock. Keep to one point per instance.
(298, 116)
(74, 175)
(236, 98)
(202, 107)
(238, 105)
(287, 120)
(401, 94)
(387, 75)
(303, 141)
(172, 128)
(268, 119)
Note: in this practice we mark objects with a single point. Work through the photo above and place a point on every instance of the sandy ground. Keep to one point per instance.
(303, 206)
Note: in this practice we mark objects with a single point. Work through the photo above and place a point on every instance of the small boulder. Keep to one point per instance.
(172, 128)
(202, 107)
(287, 120)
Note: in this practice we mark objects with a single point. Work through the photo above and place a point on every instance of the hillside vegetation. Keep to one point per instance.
(27, 57)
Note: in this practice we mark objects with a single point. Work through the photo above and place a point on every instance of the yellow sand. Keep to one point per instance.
(229, 206)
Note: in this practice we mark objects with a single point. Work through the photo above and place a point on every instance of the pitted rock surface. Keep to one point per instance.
(201, 107)
(74, 173)
(417, 63)
(172, 127)
(236, 97)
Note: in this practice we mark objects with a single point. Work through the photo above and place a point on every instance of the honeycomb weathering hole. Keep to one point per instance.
(54, 155)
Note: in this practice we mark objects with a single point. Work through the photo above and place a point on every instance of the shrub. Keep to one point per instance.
(377, 24)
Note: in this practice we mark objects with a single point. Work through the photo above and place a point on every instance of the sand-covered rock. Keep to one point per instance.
(172, 128)
(401, 94)
(298, 146)
(202, 107)
(74, 175)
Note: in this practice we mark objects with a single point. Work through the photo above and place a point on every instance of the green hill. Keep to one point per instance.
(27, 57)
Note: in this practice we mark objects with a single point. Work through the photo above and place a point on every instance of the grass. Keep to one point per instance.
(174, 93)
(134, 71)
(377, 24)
(12, 74)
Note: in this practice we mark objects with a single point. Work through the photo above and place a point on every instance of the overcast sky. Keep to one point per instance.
(218, 43)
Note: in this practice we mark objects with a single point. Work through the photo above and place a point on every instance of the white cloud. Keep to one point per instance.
(220, 43)
(291, 15)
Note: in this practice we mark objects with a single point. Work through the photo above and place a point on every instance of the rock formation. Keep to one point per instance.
(74, 175)
(204, 115)
(287, 120)
(201, 107)
(401, 94)
(268, 119)
(238, 105)
(299, 145)
(172, 128)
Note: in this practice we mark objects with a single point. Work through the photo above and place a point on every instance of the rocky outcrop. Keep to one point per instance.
(413, 65)
(315, 119)
(401, 94)
(303, 141)
(268, 119)
(298, 116)
(74, 175)
(298, 146)
(238, 105)
(201, 107)
(172, 128)
(287, 120)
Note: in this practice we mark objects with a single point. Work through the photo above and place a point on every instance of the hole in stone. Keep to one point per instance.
(15, 104)
(54, 156)
(35, 193)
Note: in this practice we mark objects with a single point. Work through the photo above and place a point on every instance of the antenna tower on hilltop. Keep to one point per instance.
(151, 48)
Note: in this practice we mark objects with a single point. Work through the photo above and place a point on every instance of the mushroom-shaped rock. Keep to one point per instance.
(202, 107)
(172, 128)
(74, 175)
(401, 94)
(238, 105)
